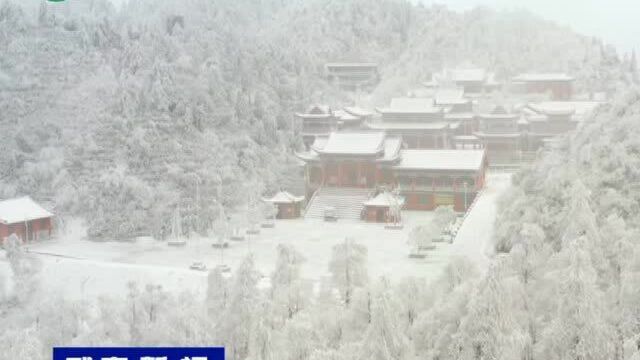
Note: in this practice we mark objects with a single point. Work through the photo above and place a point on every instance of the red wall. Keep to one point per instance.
(412, 202)
(288, 211)
(4, 231)
(38, 225)
(371, 214)
(560, 90)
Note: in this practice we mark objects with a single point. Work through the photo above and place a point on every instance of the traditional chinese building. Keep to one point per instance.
(346, 169)
(548, 119)
(25, 218)
(458, 111)
(500, 134)
(431, 178)
(384, 208)
(351, 159)
(320, 120)
(559, 85)
(418, 121)
(472, 80)
(353, 76)
(289, 206)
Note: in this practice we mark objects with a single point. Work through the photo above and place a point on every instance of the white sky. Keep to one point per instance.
(615, 21)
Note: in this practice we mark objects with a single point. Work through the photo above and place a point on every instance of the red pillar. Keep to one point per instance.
(35, 228)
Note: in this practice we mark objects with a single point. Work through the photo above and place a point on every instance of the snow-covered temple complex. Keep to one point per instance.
(25, 218)
(364, 163)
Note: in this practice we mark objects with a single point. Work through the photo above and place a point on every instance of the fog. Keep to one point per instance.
(320, 179)
(615, 21)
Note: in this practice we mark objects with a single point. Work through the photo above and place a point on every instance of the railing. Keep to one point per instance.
(467, 212)
(504, 168)
(306, 208)
(431, 188)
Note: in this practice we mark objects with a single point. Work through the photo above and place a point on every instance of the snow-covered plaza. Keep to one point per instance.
(82, 268)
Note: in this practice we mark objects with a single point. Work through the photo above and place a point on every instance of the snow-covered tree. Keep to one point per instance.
(217, 299)
(384, 339)
(421, 238)
(287, 290)
(239, 318)
(579, 329)
(348, 267)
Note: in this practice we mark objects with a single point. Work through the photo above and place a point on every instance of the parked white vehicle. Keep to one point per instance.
(330, 214)
(198, 265)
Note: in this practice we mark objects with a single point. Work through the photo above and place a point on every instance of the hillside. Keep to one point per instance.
(570, 227)
(121, 117)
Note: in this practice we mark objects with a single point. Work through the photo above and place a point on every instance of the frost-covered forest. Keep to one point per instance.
(119, 117)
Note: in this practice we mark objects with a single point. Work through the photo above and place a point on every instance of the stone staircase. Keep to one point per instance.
(348, 202)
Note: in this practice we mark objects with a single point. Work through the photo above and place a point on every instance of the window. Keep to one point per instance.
(470, 182)
(405, 181)
(424, 181)
(445, 181)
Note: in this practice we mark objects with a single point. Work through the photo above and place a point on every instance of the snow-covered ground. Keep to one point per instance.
(82, 268)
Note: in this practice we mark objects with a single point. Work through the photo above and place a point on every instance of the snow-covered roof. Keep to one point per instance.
(385, 199)
(464, 160)
(345, 116)
(499, 116)
(305, 156)
(284, 197)
(450, 96)
(460, 116)
(433, 110)
(468, 75)
(358, 111)
(553, 108)
(392, 145)
(464, 138)
(389, 148)
(486, 135)
(21, 209)
(319, 109)
(531, 77)
(351, 64)
(358, 143)
(436, 125)
(581, 108)
(413, 104)
(313, 116)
